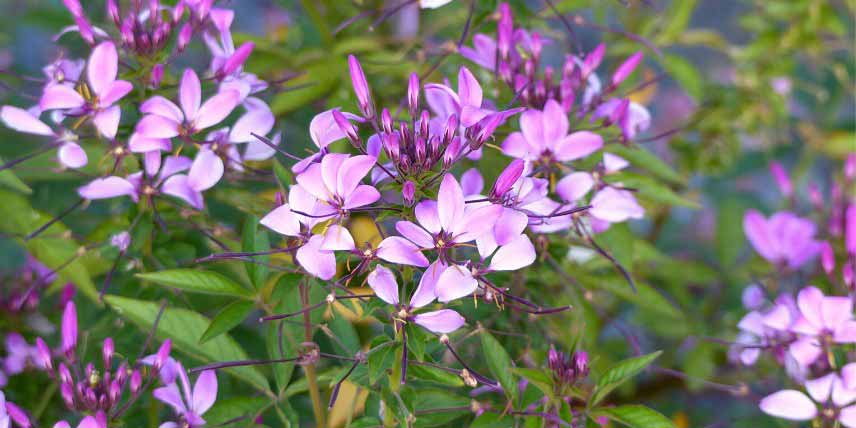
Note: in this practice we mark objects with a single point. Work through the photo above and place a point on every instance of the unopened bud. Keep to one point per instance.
(413, 93)
(136, 381)
(386, 122)
(237, 59)
(347, 128)
(107, 353)
(408, 191)
(361, 87)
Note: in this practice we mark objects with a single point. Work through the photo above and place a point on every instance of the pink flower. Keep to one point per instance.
(101, 72)
(783, 239)
(70, 154)
(393, 249)
(323, 131)
(191, 405)
(823, 319)
(835, 400)
(382, 281)
(336, 182)
(544, 138)
(163, 119)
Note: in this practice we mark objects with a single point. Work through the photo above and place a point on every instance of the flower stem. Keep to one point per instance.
(311, 375)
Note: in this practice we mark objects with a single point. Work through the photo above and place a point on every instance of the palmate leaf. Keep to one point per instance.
(197, 281)
(185, 328)
(633, 416)
(620, 373)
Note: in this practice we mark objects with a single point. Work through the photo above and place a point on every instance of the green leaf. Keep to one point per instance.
(651, 189)
(538, 378)
(196, 281)
(499, 363)
(729, 231)
(185, 327)
(228, 318)
(433, 374)
(621, 373)
(380, 361)
(255, 240)
(676, 21)
(645, 297)
(642, 158)
(492, 420)
(685, 74)
(10, 180)
(227, 409)
(634, 416)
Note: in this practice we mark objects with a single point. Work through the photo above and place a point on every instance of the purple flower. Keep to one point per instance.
(632, 117)
(782, 180)
(783, 239)
(382, 281)
(335, 181)
(69, 329)
(323, 130)
(448, 222)
(763, 329)
(611, 205)
(194, 402)
(163, 119)
(483, 51)
(20, 355)
(823, 320)
(835, 400)
(466, 104)
(544, 140)
(393, 249)
(101, 72)
(627, 67)
(70, 154)
(850, 229)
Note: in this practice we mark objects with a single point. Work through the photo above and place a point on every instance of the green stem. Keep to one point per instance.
(311, 375)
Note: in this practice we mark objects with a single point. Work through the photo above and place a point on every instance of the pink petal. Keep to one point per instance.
(442, 321)
(574, 186)
(757, 230)
(215, 109)
(156, 127)
(115, 92)
(361, 196)
(469, 90)
(257, 121)
(615, 205)
(398, 250)
(819, 389)
(206, 171)
(140, 144)
(331, 166)
(107, 121)
(779, 318)
(577, 146)
(72, 156)
(22, 121)
(152, 162)
(204, 392)
(352, 172)
(323, 128)
(190, 94)
(845, 333)
(516, 254)
(171, 396)
(847, 417)
(102, 68)
(425, 292)
(509, 226)
(472, 182)
(415, 234)
(476, 222)
(313, 182)
(613, 163)
(176, 185)
(848, 375)
(515, 145)
(382, 281)
(108, 187)
(835, 311)
(455, 282)
(841, 396)
(427, 216)
(317, 262)
(60, 97)
(752, 322)
(175, 164)
(555, 122)
(450, 203)
(442, 100)
(789, 404)
(281, 220)
(162, 107)
(532, 127)
(810, 301)
(805, 350)
(626, 68)
(337, 238)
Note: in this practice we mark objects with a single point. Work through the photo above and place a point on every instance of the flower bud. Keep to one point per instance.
(507, 178)
(408, 191)
(782, 179)
(452, 152)
(136, 381)
(593, 59)
(44, 354)
(451, 128)
(18, 415)
(237, 59)
(504, 31)
(413, 93)
(162, 354)
(827, 258)
(535, 44)
(115, 392)
(107, 353)
(184, 36)
(65, 374)
(113, 12)
(847, 275)
(361, 87)
(627, 67)
(850, 167)
(386, 122)
(581, 364)
(347, 128)
(69, 329)
(156, 76)
(753, 297)
(67, 393)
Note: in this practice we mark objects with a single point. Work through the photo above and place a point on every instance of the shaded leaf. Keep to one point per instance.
(499, 363)
(634, 416)
(196, 281)
(228, 318)
(620, 373)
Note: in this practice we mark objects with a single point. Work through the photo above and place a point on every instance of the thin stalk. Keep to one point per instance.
(311, 375)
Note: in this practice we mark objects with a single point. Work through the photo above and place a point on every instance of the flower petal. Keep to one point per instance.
(157, 127)
(577, 146)
(71, 155)
(382, 281)
(455, 282)
(789, 404)
(555, 122)
(361, 196)
(819, 389)
(22, 121)
(257, 121)
(337, 238)
(107, 121)
(835, 311)
(810, 301)
(427, 216)
(352, 172)
(204, 392)
(58, 96)
(102, 68)
(415, 234)
(190, 93)
(450, 203)
(516, 254)
(442, 321)
(216, 109)
(115, 92)
(316, 261)
(176, 185)
(107, 187)
(398, 250)
(281, 220)
(206, 170)
(574, 186)
(162, 107)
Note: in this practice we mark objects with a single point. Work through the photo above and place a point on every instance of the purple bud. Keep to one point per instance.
(566, 93)
(451, 128)
(279, 199)
(753, 297)
(827, 258)
(18, 415)
(386, 122)
(507, 178)
(107, 352)
(115, 391)
(184, 36)
(408, 191)
(413, 93)
(162, 354)
(536, 44)
(237, 59)
(178, 12)
(782, 179)
(390, 145)
(626, 68)
(815, 196)
(361, 87)
(69, 329)
(424, 123)
(581, 364)
(44, 354)
(847, 275)
(156, 77)
(121, 240)
(90, 398)
(122, 373)
(113, 12)
(451, 153)
(136, 381)
(505, 31)
(67, 392)
(65, 374)
(347, 128)
(850, 166)
(593, 59)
